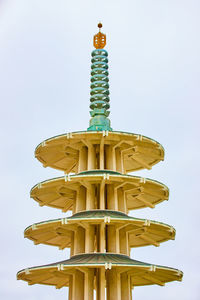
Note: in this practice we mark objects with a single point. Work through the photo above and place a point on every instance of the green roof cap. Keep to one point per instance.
(100, 258)
(93, 172)
(98, 213)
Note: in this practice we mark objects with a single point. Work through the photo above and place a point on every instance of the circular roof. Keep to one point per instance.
(61, 192)
(58, 274)
(141, 232)
(61, 152)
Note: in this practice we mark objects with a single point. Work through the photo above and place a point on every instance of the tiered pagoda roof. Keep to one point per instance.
(98, 191)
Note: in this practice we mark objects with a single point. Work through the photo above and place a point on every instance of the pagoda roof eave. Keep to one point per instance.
(140, 153)
(64, 135)
(99, 260)
(153, 191)
(142, 232)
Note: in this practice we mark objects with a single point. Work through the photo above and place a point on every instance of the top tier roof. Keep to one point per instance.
(62, 152)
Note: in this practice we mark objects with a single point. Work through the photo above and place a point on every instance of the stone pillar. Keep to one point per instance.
(72, 244)
(123, 238)
(90, 198)
(89, 284)
(122, 205)
(70, 290)
(82, 163)
(79, 240)
(101, 284)
(102, 241)
(113, 285)
(78, 285)
(109, 157)
(125, 287)
(91, 158)
(111, 199)
(89, 239)
(101, 155)
(118, 160)
(81, 199)
(102, 195)
(111, 239)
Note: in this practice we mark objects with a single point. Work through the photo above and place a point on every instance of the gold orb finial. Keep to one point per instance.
(99, 41)
(100, 25)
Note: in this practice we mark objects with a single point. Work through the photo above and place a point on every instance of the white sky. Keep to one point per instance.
(154, 77)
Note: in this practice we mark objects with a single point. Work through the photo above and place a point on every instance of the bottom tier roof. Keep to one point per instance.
(141, 273)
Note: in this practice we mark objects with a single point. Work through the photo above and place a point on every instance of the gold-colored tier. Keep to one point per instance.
(60, 232)
(87, 265)
(100, 234)
(129, 152)
(62, 192)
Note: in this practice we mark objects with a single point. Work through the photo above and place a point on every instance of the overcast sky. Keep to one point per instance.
(44, 91)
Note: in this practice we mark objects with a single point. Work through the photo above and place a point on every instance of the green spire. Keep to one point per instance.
(99, 100)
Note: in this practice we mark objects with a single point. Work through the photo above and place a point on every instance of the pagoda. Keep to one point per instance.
(97, 189)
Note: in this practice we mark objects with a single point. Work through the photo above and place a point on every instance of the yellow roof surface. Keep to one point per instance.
(60, 192)
(58, 274)
(61, 152)
(58, 232)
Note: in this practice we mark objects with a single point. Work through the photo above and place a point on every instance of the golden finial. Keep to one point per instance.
(99, 39)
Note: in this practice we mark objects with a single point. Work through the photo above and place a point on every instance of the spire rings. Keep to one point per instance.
(99, 77)
(99, 84)
(100, 91)
(99, 64)
(99, 94)
(99, 52)
(99, 58)
(99, 104)
(101, 71)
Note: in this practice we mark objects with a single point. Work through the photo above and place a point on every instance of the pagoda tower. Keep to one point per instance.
(97, 189)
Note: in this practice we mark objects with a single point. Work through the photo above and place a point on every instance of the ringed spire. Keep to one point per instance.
(99, 93)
